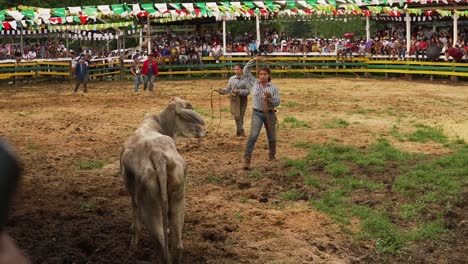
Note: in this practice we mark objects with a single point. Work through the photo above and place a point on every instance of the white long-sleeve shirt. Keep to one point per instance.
(258, 90)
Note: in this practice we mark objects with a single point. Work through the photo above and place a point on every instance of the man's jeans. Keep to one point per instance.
(137, 80)
(150, 80)
(258, 119)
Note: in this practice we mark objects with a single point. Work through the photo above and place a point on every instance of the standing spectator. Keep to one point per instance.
(216, 52)
(81, 75)
(150, 71)
(238, 89)
(265, 97)
(135, 69)
(18, 54)
(253, 48)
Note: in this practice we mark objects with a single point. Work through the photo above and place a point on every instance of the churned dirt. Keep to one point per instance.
(70, 210)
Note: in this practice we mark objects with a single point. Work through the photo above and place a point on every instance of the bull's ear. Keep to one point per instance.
(188, 106)
(190, 116)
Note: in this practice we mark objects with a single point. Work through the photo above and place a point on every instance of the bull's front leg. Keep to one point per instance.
(136, 226)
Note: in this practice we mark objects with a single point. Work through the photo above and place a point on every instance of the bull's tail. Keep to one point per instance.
(159, 165)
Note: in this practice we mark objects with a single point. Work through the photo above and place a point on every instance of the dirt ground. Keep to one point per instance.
(65, 213)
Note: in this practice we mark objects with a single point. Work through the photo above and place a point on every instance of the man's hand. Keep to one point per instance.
(235, 91)
(9, 252)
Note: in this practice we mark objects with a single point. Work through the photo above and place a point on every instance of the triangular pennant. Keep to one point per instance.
(59, 12)
(28, 13)
(148, 8)
(105, 9)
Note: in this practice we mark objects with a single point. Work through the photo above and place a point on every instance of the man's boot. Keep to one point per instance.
(240, 133)
(246, 163)
(272, 151)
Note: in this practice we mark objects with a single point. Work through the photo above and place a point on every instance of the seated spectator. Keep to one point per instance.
(455, 52)
(166, 55)
(422, 48)
(183, 55)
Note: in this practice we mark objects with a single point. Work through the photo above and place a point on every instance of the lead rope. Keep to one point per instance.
(219, 104)
(212, 110)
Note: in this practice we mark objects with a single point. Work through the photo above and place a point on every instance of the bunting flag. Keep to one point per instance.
(29, 16)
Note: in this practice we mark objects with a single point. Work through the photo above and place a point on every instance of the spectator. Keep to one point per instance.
(422, 48)
(253, 48)
(238, 90)
(81, 75)
(149, 71)
(135, 69)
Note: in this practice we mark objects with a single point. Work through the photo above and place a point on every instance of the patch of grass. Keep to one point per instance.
(334, 204)
(301, 144)
(211, 178)
(427, 231)
(255, 174)
(313, 182)
(294, 173)
(429, 186)
(410, 211)
(350, 183)
(89, 165)
(396, 134)
(336, 169)
(243, 199)
(362, 111)
(377, 225)
(291, 195)
(294, 122)
(425, 133)
(202, 112)
(239, 217)
(296, 163)
(225, 110)
(336, 140)
(87, 206)
(32, 146)
(292, 104)
(336, 123)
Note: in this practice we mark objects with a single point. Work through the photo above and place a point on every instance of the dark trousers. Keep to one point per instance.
(79, 81)
(241, 103)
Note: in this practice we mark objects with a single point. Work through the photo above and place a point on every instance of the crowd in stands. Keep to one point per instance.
(190, 48)
(42, 49)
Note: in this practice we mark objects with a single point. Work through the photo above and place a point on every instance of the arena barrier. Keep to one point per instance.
(299, 65)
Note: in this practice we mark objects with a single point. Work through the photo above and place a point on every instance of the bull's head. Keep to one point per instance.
(187, 122)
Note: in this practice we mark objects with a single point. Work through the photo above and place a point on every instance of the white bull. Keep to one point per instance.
(154, 175)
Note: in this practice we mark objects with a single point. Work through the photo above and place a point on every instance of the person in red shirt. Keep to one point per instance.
(455, 52)
(421, 48)
(149, 71)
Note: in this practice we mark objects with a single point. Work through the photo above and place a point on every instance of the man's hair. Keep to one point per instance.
(267, 70)
(238, 65)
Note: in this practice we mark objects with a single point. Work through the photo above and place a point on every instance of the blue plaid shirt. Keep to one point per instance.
(258, 91)
(239, 83)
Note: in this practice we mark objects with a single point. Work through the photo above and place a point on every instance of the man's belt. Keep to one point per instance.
(261, 111)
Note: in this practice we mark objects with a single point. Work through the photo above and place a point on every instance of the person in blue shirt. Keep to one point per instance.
(253, 48)
(265, 97)
(81, 75)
